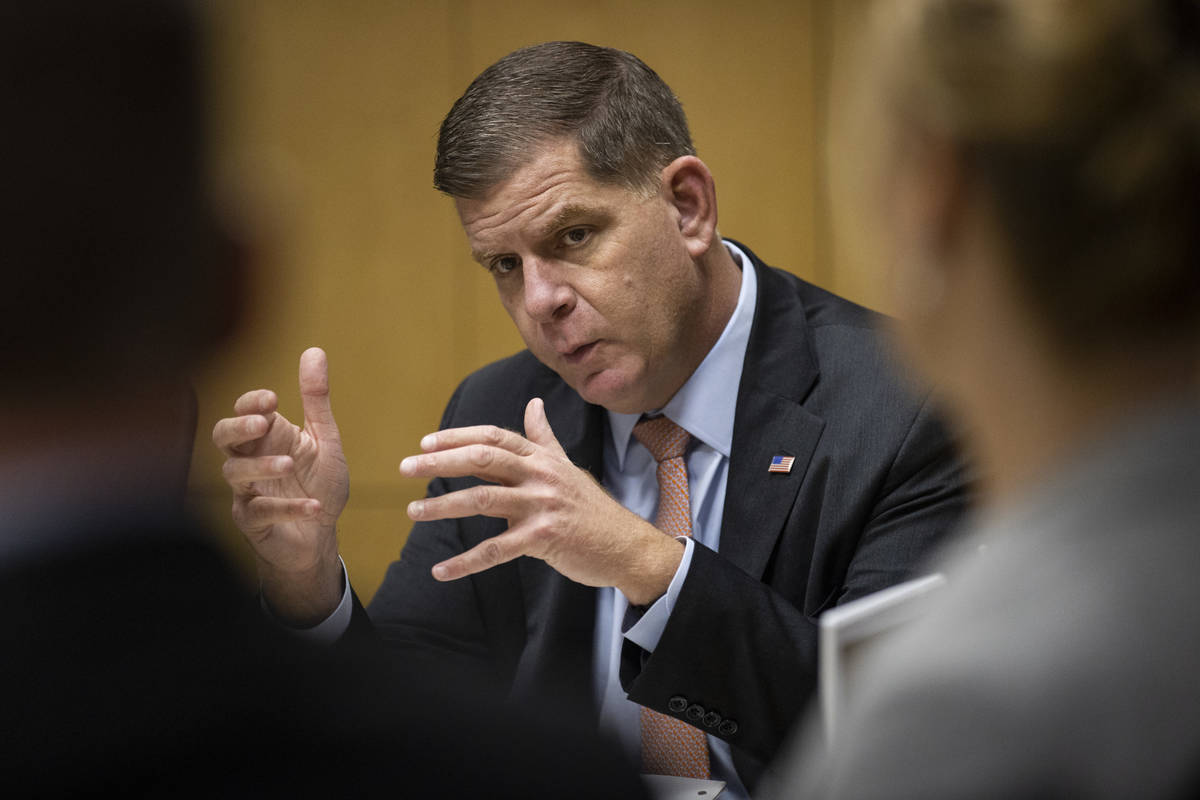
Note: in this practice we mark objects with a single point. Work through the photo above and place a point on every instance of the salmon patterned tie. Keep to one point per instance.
(670, 746)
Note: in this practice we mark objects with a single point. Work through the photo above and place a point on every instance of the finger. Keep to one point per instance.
(487, 500)
(485, 555)
(537, 427)
(314, 394)
(478, 434)
(241, 471)
(478, 460)
(253, 514)
(233, 432)
(259, 401)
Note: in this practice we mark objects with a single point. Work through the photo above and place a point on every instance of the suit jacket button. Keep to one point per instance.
(695, 713)
(712, 719)
(728, 728)
(677, 704)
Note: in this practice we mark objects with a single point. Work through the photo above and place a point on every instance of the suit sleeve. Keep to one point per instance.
(738, 656)
(923, 499)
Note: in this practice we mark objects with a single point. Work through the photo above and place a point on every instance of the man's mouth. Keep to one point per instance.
(579, 353)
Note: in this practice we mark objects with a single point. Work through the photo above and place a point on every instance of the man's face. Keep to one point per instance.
(595, 276)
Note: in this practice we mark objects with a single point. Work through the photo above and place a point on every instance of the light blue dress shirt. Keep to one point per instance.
(705, 407)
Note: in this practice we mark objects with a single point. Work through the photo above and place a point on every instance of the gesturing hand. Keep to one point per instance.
(555, 511)
(289, 486)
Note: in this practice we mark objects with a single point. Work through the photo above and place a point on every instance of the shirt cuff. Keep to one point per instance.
(328, 630)
(646, 632)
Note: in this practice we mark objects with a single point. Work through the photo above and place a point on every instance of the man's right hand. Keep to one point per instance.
(289, 486)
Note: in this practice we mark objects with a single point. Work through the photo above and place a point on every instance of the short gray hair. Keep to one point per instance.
(628, 122)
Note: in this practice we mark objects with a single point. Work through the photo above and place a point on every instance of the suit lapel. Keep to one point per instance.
(779, 369)
(561, 614)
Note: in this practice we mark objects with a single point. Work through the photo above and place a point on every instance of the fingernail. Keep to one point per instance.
(415, 508)
(313, 507)
(408, 465)
(440, 572)
(281, 463)
(429, 441)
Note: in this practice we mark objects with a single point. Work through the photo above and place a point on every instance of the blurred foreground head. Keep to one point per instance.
(112, 267)
(1078, 122)
(1040, 187)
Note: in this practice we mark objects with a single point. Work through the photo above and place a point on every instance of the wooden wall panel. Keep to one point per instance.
(331, 111)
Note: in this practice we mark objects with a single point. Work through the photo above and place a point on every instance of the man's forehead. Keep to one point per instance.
(549, 191)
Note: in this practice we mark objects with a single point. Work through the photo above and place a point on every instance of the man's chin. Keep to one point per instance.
(613, 391)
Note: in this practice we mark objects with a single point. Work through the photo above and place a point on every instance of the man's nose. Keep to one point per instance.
(547, 295)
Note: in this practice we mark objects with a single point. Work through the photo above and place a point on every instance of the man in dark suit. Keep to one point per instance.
(134, 660)
(803, 473)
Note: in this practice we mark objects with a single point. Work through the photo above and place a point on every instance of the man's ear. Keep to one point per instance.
(688, 187)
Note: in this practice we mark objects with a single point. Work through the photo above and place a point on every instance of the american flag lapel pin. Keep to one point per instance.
(781, 464)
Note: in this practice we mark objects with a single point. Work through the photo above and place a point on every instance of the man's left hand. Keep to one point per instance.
(556, 511)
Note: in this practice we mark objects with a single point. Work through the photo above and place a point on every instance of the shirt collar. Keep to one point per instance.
(705, 405)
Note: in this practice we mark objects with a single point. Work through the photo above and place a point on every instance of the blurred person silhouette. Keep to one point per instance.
(134, 660)
(1039, 188)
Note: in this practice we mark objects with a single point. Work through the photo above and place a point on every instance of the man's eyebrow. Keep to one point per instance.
(569, 213)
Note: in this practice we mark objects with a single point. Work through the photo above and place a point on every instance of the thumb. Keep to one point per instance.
(537, 427)
(314, 394)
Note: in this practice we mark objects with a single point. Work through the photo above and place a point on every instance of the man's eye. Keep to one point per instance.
(576, 236)
(504, 265)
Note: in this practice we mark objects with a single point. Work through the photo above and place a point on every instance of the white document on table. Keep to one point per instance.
(853, 628)
(669, 787)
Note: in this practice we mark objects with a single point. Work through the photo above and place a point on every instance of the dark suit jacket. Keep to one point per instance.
(874, 488)
(140, 666)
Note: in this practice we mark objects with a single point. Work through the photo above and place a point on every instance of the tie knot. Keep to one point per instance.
(662, 437)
